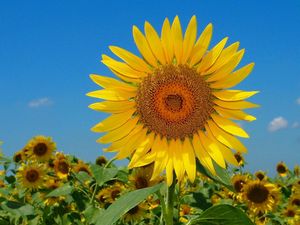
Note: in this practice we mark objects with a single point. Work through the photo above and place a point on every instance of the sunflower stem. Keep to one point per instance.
(170, 203)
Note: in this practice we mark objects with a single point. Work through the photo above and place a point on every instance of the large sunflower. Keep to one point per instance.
(173, 104)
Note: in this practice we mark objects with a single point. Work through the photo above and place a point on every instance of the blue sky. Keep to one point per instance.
(48, 49)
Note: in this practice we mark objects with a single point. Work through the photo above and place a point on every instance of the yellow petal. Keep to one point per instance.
(188, 157)
(154, 43)
(166, 41)
(145, 160)
(225, 56)
(112, 107)
(117, 145)
(213, 149)
(210, 58)
(189, 39)
(122, 68)
(120, 132)
(169, 171)
(112, 94)
(132, 60)
(226, 152)
(202, 155)
(226, 69)
(131, 145)
(201, 45)
(143, 46)
(177, 158)
(177, 39)
(234, 114)
(229, 126)
(236, 104)
(126, 79)
(161, 160)
(234, 95)
(234, 78)
(113, 122)
(142, 149)
(107, 82)
(226, 138)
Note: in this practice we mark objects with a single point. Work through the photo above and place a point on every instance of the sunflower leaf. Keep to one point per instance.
(102, 175)
(124, 204)
(63, 190)
(222, 215)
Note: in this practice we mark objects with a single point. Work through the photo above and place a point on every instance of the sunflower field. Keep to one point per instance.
(175, 118)
(40, 185)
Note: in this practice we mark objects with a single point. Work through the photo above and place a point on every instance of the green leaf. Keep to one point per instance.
(222, 215)
(91, 214)
(63, 190)
(102, 175)
(221, 178)
(17, 208)
(122, 205)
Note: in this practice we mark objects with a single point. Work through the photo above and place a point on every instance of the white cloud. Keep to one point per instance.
(40, 102)
(277, 124)
(295, 125)
(298, 101)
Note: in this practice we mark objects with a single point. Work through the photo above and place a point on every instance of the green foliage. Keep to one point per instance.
(222, 215)
(124, 204)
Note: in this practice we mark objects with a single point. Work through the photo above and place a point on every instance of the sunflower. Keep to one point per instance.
(2, 184)
(40, 148)
(295, 200)
(52, 184)
(173, 104)
(61, 166)
(291, 212)
(110, 194)
(238, 181)
(136, 214)
(18, 157)
(101, 161)
(282, 169)
(260, 196)
(141, 177)
(82, 167)
(185, 210)
(31, 176)
(261, 175)
(239, 158)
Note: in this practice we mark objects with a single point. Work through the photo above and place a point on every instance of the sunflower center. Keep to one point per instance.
(258, 193)
(281, 169)
(141, 182)
(40, 149)
(134, 210)
(63, 167)
(101, 161)
(238, 157)
(260, 176)
(32, 175)
(18, 157)
(114, 194)
(238, 185)
(296, 202)
(290, 213)
(174, 101)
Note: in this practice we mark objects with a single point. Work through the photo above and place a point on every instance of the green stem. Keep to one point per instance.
(170, 203)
